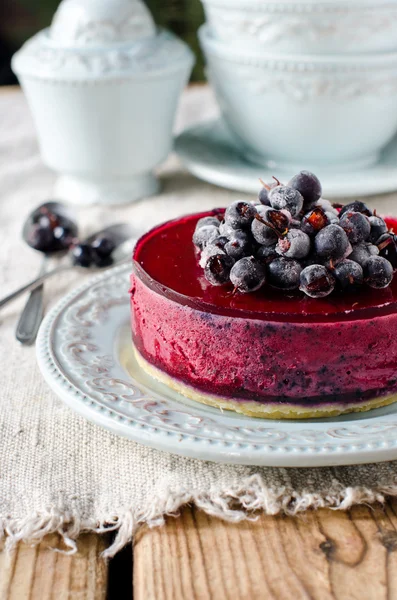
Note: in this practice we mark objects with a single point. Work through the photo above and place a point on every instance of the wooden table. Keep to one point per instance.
(320, 555)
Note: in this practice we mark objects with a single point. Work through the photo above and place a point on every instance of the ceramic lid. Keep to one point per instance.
(100, 39)
(88, 23)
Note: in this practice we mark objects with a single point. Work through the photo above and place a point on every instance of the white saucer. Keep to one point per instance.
(208, 151)
(84, 351)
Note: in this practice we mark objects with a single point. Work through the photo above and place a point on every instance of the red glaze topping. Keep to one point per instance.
(168, 261)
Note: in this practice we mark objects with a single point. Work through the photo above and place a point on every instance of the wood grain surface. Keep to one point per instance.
(321, 555)
(39, 573)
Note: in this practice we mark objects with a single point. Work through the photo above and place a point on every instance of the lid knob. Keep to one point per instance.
(85, 23)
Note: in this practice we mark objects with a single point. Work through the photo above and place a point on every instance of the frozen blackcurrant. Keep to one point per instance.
(247, 275)
(266, 254)
(327, 206)
(40, 237)
(262, 229)
(239, 245)
(295, 244)
(217, 269)
(356, 226)
(314, 220)
(205, 221)
(284, 273)
(378, 272)
(288, 198)
(204, 235)
(356, 206)
(348, 274)
(387, 245)
(239, 214)
(309, 187)
(316, 281)
(360, 253)
(332, 243)
(378, 228)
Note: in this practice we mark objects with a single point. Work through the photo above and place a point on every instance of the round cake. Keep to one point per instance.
(272, 354)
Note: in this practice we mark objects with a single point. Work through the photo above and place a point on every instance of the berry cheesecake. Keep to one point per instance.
(235, 310)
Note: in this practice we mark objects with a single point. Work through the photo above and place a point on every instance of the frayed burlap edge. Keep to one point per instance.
(234, 505)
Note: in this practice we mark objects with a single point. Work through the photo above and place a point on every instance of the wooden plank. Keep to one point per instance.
(320, 555)
(39, 573)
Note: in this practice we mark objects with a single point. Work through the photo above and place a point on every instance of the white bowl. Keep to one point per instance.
(305, 26)
(305, 111)
(103, 107)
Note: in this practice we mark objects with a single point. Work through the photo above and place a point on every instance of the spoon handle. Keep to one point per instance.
(33, 284)
(32, 314)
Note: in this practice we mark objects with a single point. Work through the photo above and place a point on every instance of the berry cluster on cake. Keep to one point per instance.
(285, 307)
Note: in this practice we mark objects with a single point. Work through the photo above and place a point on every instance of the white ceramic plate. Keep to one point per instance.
(85, 353)
(208, 151)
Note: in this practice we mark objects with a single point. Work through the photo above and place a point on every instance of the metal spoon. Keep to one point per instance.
(32, 314)
(123, 237)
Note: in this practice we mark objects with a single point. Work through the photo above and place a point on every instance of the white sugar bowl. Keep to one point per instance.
(103, 86)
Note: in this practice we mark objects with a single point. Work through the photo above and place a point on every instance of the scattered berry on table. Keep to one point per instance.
(309, 186)
(217, 269)
(40, 238)
(247, 275)
(316, 281)
(284, 197)
(82, 255)
(284, 273)
(356, 226)
(331, 242)
(295, 244)
(378, 272)
(348, 274)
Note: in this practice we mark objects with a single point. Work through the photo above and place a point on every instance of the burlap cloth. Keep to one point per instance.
(60, 473)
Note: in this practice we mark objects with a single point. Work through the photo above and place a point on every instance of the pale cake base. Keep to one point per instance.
(251, 408)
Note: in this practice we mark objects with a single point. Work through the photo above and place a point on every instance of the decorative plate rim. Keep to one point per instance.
(166, 423)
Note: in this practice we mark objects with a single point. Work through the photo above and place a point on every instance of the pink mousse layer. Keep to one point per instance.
(339, 350)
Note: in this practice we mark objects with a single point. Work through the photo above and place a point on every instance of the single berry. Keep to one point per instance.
(82, 255)
(262, 229)
(239, 245)
(221, 241)
(356, 206)
(348, 274)
(263, 195)
(284, 273)
(279, 220)
(316, 281)
(266, 254)
(204, 235)
(102, 246)
(239, 215)
(208, 251)
(226, 230)
(378, 272)
(217, 269)
(314, 220)
(360, 254)
(247, 275)
(331, 242)
(40, 238)
(372, 249)
(378, 228)
(65, 236)
(284, 197)
(205, 221)
(309, 186)
(295, 244)
(356, 226)
(387, 245)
